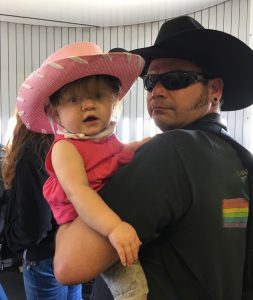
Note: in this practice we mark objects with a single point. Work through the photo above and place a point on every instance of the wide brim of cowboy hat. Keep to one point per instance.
(216, 51)
(50, 77)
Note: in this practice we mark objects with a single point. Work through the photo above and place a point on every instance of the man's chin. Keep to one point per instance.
(164, 123)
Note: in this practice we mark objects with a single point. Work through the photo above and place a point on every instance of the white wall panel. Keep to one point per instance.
(93, 35)
(20, 52)
(85, 34)
(23, 48)
(50, 40)
(12, 65)
(57, 38)
(5, 99)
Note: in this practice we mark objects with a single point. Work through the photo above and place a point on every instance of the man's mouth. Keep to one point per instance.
(162, 107)
(158, 108)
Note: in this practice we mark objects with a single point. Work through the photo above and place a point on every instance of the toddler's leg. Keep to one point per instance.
(126, 283)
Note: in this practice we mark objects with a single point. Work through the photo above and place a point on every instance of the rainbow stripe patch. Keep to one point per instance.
(235, 213)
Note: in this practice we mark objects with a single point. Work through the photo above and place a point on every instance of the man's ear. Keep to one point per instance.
(216, 88)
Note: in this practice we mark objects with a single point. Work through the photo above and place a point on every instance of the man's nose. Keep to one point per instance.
(159, 91)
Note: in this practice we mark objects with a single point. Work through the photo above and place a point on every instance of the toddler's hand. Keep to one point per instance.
(136, 144)
(125, 240)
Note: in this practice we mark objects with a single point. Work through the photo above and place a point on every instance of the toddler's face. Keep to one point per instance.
(86, 106)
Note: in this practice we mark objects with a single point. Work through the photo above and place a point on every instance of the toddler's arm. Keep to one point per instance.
(70, 171)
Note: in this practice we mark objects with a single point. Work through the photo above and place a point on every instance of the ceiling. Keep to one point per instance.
(97, 12)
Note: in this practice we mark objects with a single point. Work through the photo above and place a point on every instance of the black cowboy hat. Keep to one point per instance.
(215, 51)
(118, 50)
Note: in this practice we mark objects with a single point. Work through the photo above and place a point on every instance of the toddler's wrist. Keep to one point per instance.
(113, 227)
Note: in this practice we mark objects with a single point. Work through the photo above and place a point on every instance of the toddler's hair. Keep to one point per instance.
(55, 99)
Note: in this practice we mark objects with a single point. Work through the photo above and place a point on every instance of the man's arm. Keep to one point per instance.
(81, 253)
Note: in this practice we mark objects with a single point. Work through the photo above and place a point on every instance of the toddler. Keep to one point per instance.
(74, 95)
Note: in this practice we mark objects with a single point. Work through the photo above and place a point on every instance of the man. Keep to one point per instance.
(186, 191)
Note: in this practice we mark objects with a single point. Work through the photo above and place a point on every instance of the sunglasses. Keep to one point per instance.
(173, 80)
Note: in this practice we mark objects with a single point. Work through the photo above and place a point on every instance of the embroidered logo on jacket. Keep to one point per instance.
(235, 213)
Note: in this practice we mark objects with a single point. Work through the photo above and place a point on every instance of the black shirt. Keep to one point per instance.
(174, 192)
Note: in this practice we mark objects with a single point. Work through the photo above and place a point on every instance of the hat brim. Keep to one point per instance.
(216, 51)
(34, 92)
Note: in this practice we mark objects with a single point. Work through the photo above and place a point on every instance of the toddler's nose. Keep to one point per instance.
(87, 104)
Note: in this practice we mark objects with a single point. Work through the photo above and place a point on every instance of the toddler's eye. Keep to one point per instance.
(98, 96)
(74, 99)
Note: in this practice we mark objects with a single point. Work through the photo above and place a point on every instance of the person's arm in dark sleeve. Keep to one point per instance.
(146, 193)
(30, 215)
(152, 191)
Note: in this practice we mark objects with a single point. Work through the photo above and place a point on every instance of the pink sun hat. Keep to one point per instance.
(68, 64)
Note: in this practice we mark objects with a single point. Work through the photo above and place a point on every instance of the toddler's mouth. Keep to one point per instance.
(90, 119)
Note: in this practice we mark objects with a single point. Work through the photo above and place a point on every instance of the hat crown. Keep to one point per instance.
(76, 49)
(175, 26)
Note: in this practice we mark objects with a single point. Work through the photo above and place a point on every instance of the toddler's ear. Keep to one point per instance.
(55, 116)
(51, 112)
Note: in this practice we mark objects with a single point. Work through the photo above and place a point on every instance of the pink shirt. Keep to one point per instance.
(101, 158)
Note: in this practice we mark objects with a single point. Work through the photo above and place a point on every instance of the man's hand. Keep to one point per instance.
(126, 242)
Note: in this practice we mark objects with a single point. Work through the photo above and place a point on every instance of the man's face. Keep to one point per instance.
(173, 109)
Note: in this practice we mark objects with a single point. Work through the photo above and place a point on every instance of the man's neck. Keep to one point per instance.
(211, 118)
